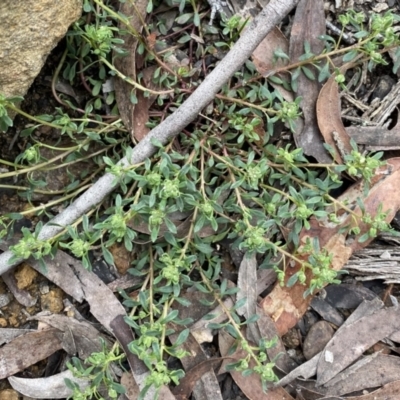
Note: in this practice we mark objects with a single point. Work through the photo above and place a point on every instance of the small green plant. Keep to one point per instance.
(97, 369)
(225, 180)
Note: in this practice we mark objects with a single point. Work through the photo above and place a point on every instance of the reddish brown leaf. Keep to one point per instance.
(308, 25)
(263, 55)
(286, 305)
(330, 121)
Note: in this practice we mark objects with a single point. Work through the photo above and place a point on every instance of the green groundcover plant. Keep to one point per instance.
(226, 177)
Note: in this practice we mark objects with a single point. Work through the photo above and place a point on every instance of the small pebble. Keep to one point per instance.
(317, 338)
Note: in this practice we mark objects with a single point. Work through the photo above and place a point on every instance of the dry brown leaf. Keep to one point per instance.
(122, 257)
(308, 25)
(186, 385)
(278, 352)
(263, 55)
(104, 306)
(127, 65)
(286, 304)
(27, 350)
(330, 120)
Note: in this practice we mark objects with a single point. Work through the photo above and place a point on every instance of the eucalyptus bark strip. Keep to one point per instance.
(259, 27)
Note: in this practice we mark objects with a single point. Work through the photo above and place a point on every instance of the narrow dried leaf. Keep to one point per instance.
(330, 121)
(308, 25)
(127, 65)
(104, 306)
(247, 285)
(268, 331)
(356, 338)
(52, 387)
(27, 350)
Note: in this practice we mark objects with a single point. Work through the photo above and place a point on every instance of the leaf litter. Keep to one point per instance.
(282, 308)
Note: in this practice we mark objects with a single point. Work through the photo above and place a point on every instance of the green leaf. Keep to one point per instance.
(108, 257)
(308, 73)
(350, 55)
(182, 337)
(232, 331)
(182, 19)
(292, 280)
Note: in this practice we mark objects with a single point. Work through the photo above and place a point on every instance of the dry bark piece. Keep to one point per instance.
(27, 350)
(52, 387)
(376, 137)
(356, 338)
(308, 25)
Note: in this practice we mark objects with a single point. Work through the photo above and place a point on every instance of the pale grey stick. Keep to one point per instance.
(270, 16)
